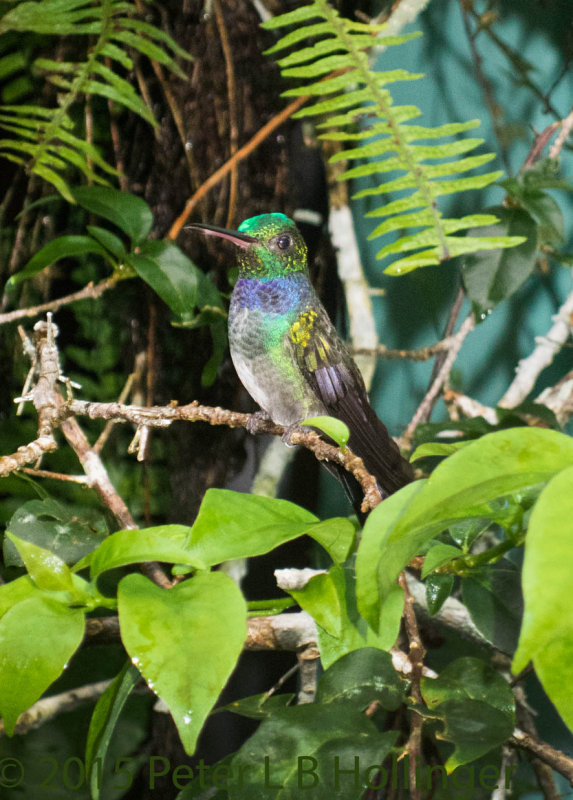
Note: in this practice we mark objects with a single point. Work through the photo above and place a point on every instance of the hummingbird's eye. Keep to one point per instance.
(284, 241)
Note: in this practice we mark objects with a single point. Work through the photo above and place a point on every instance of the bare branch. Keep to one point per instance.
(547, 348)
(163, 416)
(457, 340)
(50, 707)
(564, 134)
(550, 755)
(90, 292)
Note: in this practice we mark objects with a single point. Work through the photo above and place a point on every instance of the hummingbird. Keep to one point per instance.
(288, 354)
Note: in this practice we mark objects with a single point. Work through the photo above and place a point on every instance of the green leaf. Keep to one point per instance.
(295, 752)
(103, 721)
(131, 214)
(493, 599)
(462, 486)
(436, 449)
(46, 570)
(465, 533)
(171, 274)
(547, 630)
(319, 598)
(37, 638)
(470, 690)
(257, 706)
(360, 678)
(438, 589)
(163, 543)
(120, 92)
(337, 535)
(332, 427)
(14, 592)
(439, 555)
(109, 240)
(544, 175)
(369, 563)
(549, 218)
(185, 642)
(235, 525)
(301, 14)
(70, 532)
(62, 247)
(490, 277)
(331, 600)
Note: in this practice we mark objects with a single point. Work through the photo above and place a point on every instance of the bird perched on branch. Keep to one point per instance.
(289, 355)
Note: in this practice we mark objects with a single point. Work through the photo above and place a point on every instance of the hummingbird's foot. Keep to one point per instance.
(255, 419)
(287, 435)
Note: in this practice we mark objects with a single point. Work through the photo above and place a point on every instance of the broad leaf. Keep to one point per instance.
(14, 592)
(69, 532)
(109, 240)
(360, 678)
(466, 532)
(493, 598)
(171, 274)
(331, 600)
(258, 705)
(476, 706)
(547, 631)
(37, 639)
(131, 214)
(369, 563)
(163, 543)
(185, 642)
(492, 276)
(46, 570)
(462, 486)
(235, 525)
(439, 555)
(310, 749)
(62, 247)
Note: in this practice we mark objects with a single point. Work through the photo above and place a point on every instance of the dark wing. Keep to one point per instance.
(330, 371)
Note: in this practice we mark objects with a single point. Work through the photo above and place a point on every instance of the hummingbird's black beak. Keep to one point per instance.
(240, 239)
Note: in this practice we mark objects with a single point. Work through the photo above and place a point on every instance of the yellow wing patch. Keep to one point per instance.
(301, 328)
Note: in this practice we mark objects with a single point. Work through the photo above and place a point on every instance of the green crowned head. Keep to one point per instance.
(279, 248)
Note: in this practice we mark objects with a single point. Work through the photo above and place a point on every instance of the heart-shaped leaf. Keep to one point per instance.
(185, 641)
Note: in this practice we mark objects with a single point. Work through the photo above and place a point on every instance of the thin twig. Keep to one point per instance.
(232, 103)
(564, 134)
(539, 145)
(543, 771)
(416, 655)
(487, 89)
(240, 155)
(99, 480)
(456, 343)
(549, 755)
(516, 60)
(55, 476)
(50, 707)
(90, 292)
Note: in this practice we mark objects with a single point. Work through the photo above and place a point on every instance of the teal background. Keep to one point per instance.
(415, 308)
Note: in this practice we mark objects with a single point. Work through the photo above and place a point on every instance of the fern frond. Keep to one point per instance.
(44, 139)
(359, 109)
